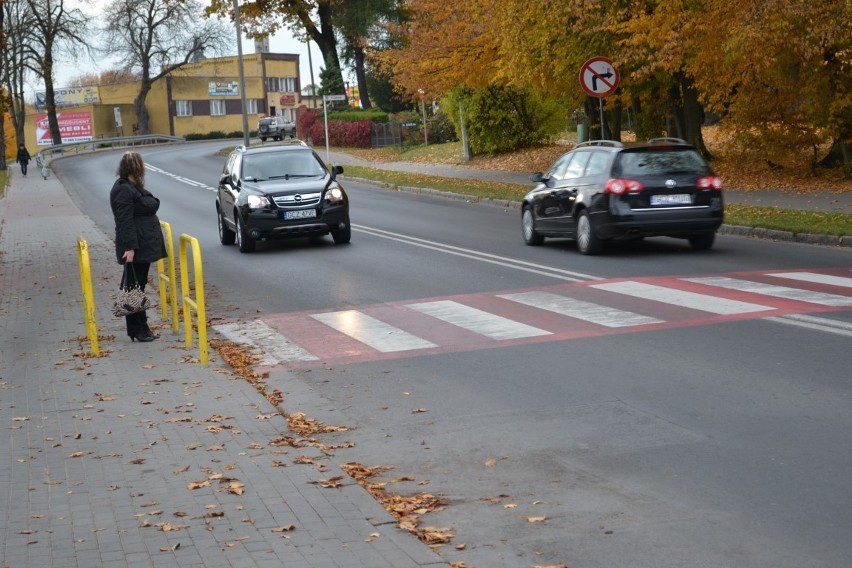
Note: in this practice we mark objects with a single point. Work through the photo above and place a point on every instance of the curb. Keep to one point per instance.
(725, 229)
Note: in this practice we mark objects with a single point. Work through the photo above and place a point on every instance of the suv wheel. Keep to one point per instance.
(343, 236)
(244, 242)
(531, 236)
(703, 241)
(587, 241)
(226, 235)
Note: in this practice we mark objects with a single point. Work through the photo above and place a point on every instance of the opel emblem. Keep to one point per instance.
(297, 197)
(671, 184)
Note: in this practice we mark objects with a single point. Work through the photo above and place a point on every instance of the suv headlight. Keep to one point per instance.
(334, 194)
(257, 202)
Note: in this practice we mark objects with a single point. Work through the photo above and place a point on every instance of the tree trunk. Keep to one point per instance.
(324, 37)
(50, 100)
(3, 166)
(840, 154)
(361, 76)
(139, 104)
(687, 114)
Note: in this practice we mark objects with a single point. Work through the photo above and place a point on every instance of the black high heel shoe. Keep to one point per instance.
(150, 332)
(142, 337)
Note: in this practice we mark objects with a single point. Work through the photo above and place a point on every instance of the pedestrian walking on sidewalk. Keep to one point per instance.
(23, 158)
(138, 236)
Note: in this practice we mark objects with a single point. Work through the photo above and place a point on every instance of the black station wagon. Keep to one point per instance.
(280, 192)
(603, 190)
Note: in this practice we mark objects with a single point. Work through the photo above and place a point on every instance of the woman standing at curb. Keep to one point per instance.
(138, 236)
(23, 158)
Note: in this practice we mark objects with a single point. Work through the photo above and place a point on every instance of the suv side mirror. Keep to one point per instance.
(225, 178)
(537, 177)
(336, 171)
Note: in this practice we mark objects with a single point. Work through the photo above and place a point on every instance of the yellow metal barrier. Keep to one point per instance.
(166, 278)
(196, 305)
(88, 295)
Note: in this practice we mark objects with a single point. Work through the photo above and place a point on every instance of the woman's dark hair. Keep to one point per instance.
(131, 164)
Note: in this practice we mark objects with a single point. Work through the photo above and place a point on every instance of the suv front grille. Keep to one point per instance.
(291, 201)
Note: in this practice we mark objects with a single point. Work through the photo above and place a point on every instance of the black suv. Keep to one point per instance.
(603, 190)
(278, 192)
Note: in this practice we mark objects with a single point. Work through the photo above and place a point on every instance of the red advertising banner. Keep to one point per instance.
(73, 127)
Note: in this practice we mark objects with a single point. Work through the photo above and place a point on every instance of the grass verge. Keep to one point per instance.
(4, 179)
(794, 221)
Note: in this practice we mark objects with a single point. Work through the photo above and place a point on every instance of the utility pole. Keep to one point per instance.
(242, 72)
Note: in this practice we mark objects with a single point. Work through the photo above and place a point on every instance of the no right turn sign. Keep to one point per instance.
(599, 77)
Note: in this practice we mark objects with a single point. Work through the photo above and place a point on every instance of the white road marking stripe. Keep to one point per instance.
(815, 323)
(478, 321)
(817, 278)
(370, 331)
(478, 255)
(682, 298)
(776, 291)
(587, 311)
(271, 345)
(181, 179)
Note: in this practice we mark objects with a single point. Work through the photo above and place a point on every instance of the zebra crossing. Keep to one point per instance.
(554, 313)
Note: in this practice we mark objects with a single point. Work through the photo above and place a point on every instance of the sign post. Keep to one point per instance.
(599, 79)
(325, 100)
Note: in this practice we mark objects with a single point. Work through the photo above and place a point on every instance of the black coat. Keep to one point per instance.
(136, 224)
(23, 156)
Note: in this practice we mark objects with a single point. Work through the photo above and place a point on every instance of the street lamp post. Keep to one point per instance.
(242, 73)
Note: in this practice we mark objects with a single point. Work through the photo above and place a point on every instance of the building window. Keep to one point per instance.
(251, 106)
(183, 108)
(217, 107)
(281, 84)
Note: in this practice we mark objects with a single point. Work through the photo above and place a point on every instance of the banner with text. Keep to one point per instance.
(67, 96)
(73, 127)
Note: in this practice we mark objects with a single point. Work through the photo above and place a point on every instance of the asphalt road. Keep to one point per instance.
(704, 439)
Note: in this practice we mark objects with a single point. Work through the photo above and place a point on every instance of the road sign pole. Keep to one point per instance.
(602, 119)
(325, 119)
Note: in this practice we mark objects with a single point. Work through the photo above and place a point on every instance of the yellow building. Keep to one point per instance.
(198, 98)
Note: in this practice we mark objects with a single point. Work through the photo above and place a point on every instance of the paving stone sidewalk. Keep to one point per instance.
(143, 457)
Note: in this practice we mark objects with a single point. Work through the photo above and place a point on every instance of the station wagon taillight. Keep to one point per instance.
(710, 182)
(619, 186)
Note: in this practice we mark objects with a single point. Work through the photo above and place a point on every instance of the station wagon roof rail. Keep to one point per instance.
(610, 143)
(668, 140)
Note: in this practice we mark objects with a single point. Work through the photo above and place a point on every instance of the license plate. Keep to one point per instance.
(299, 214)
(676, 199)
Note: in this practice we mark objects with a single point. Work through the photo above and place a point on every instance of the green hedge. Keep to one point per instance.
(352, 115)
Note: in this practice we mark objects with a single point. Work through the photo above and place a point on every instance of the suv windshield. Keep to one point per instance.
(658, 162)
(261, 167)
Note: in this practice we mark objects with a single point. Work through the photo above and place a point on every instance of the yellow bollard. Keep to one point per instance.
(166, 279)
(196, 305)
(88, 295)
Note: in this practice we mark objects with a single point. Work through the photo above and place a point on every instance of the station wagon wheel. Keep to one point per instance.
(531, 236)
(703, 241)
(587, 241)
(244, 242)
(226, 235)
